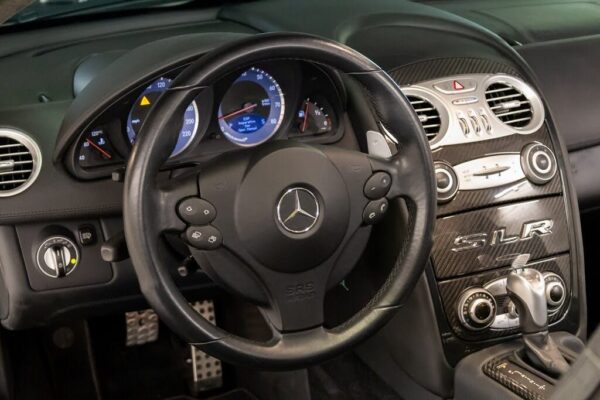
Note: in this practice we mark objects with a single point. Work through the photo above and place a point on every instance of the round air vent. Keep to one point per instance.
(514, 103)
(428, 115)
(20, 162)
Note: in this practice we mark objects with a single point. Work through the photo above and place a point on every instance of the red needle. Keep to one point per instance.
(100, 149)
(231, 114)
(305, 118)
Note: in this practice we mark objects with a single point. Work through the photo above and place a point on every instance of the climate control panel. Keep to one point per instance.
(535, 164)
(505, 317)
(478, 306)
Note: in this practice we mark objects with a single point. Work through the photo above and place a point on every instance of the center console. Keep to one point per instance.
(501, 194)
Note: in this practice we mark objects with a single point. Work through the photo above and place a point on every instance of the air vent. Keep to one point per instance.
(428, 115)
(20, 162)
(510, 105)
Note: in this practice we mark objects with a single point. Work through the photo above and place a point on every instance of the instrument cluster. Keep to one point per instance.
(271, 101)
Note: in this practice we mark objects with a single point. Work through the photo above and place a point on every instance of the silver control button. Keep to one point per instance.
(477, 309)
(538, 163)
(464, 126)
(465, 100)
(446, 182)
(542, 162)
(481, 311)
(556, 292)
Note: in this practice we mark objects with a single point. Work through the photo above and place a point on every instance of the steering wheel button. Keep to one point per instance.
(204, 237)
(374, 211)
(196, 211)
(378, 185)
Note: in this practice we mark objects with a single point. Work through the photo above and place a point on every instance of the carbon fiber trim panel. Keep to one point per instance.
(490, 238)
(467, 200)
(438, 68)
(476, 203)
(451, 290)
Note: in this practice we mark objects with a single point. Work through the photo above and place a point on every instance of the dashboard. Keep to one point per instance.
(276, 101)
(504, 182)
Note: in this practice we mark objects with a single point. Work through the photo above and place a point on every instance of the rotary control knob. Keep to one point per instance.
(477, 309)
(555, 291)
(57, 257)
(446, 181)
(538, 163)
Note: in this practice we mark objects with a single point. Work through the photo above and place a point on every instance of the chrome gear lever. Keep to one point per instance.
(527, 289)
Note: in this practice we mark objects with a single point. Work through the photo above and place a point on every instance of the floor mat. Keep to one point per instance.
(347, 378)
(151, 371)
(236, 394)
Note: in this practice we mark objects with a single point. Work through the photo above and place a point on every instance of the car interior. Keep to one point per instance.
(299, 200)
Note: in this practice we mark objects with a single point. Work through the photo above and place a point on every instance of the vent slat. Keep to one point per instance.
(501, 105)
(9, 146)
(506, 114)
(513, 121)
(428, 115)
(16, 172)
(20, 153)
(12, 182)
(509, 105)
(508, 96)
(496, 90)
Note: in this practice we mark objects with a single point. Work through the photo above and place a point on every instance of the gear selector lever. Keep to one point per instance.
(527, 289)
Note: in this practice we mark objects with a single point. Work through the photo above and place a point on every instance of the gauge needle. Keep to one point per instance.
(305, 118)
(100, 149)
(231, 114)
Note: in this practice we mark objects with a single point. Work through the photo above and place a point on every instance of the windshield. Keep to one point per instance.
(52, 9)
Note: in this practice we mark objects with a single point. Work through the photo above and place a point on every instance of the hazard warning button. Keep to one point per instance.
(457, 85)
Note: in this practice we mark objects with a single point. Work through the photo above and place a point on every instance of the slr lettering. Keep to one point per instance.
(499, 236)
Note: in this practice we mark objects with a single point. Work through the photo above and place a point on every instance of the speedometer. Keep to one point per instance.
(142, 106)
(252, 109)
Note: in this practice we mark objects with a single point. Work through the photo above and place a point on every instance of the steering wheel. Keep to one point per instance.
(283, 265)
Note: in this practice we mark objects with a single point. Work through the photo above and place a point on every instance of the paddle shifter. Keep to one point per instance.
(527, 289)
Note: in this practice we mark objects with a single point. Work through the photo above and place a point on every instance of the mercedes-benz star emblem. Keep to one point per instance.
(298, 210)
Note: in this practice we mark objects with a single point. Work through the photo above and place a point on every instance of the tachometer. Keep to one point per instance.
(142, 105)
(252, 109)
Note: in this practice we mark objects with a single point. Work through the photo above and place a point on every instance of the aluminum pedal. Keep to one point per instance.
(141, 326)
(207, 371)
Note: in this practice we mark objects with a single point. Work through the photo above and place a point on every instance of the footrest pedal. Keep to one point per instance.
(141, 327)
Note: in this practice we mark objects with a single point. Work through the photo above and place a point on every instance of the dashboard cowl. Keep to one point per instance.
(128, 72)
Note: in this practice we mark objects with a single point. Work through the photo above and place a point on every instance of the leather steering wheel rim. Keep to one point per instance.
(147, 210)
